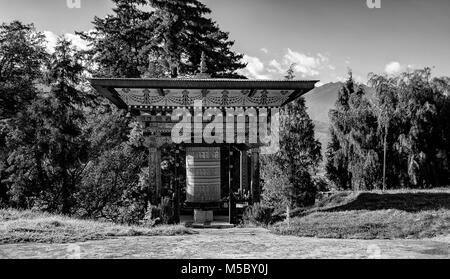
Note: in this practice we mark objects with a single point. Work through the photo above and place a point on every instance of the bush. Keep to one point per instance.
(166, 210)
(152, 216)
(157, 215)
(114, 187)
(258, 214)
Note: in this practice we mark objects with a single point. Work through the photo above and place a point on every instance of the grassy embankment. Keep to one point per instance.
(31, 226)
(374, 215)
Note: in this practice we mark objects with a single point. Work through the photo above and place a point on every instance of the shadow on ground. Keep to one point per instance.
(410, 202)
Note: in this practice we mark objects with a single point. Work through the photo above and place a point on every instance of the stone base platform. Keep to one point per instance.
(219, 222)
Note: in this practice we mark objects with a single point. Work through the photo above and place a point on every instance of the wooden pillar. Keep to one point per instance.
(255, 187)
(232, 202)
(151, 174)
(154, 167)
(158, 174)
(243, 171)
(176, 198)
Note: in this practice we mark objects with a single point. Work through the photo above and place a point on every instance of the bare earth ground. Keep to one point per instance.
(233, 244)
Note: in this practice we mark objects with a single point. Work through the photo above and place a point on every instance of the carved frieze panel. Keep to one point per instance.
(136, 97)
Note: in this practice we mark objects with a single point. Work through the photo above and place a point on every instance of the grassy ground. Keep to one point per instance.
(374, 215)
(30, 226)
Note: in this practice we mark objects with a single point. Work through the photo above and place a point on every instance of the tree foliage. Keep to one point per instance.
(152, 38)
(22, 56)
(288, 174)
(46, 140)
(402, 127)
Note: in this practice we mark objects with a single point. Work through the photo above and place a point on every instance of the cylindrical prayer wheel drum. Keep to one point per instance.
(203, 174)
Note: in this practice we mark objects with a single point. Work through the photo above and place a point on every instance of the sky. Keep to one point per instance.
(324, 38)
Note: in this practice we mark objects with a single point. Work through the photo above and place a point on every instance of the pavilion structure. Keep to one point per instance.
(217, 174)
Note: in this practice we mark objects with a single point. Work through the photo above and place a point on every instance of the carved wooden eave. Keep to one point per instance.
(147, 94)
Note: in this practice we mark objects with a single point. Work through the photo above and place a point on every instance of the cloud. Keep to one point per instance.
(306, 66)
(322, 58)
(265, 50)
(393, 68)
(255, 68)
(276, 65)
(52, 40)
(301, 59)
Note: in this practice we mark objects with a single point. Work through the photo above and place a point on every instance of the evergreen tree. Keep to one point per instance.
(363, 143)
(48, 148)
(397, 138)
(22, 55)
(297, 159)
(133, 42)
(337, 165)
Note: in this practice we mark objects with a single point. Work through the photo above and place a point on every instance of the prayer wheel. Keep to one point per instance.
(203, 174)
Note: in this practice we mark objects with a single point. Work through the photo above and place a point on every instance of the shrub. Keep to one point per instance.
(152, 216)
(166, 210)
(157, 215)
(258, 214)
(113, 187)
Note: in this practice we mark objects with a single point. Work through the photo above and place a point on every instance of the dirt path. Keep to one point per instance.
(233, 244)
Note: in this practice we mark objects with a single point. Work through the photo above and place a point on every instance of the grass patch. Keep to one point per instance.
(31, 226)
(365, 224)
(390, 214)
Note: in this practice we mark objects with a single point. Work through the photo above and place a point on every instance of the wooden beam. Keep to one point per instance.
(222, 84)
(252, 93)
(112, 95)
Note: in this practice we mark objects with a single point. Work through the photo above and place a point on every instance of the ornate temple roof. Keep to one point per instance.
(178, 92)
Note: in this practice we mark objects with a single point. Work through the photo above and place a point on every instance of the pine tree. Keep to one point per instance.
(337, 164)
(48, 148)
(298, 158)
(363, 143)
(22, 55)
(133, 42)
(337, 150)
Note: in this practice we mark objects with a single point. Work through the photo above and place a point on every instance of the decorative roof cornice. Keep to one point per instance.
(181, 83)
